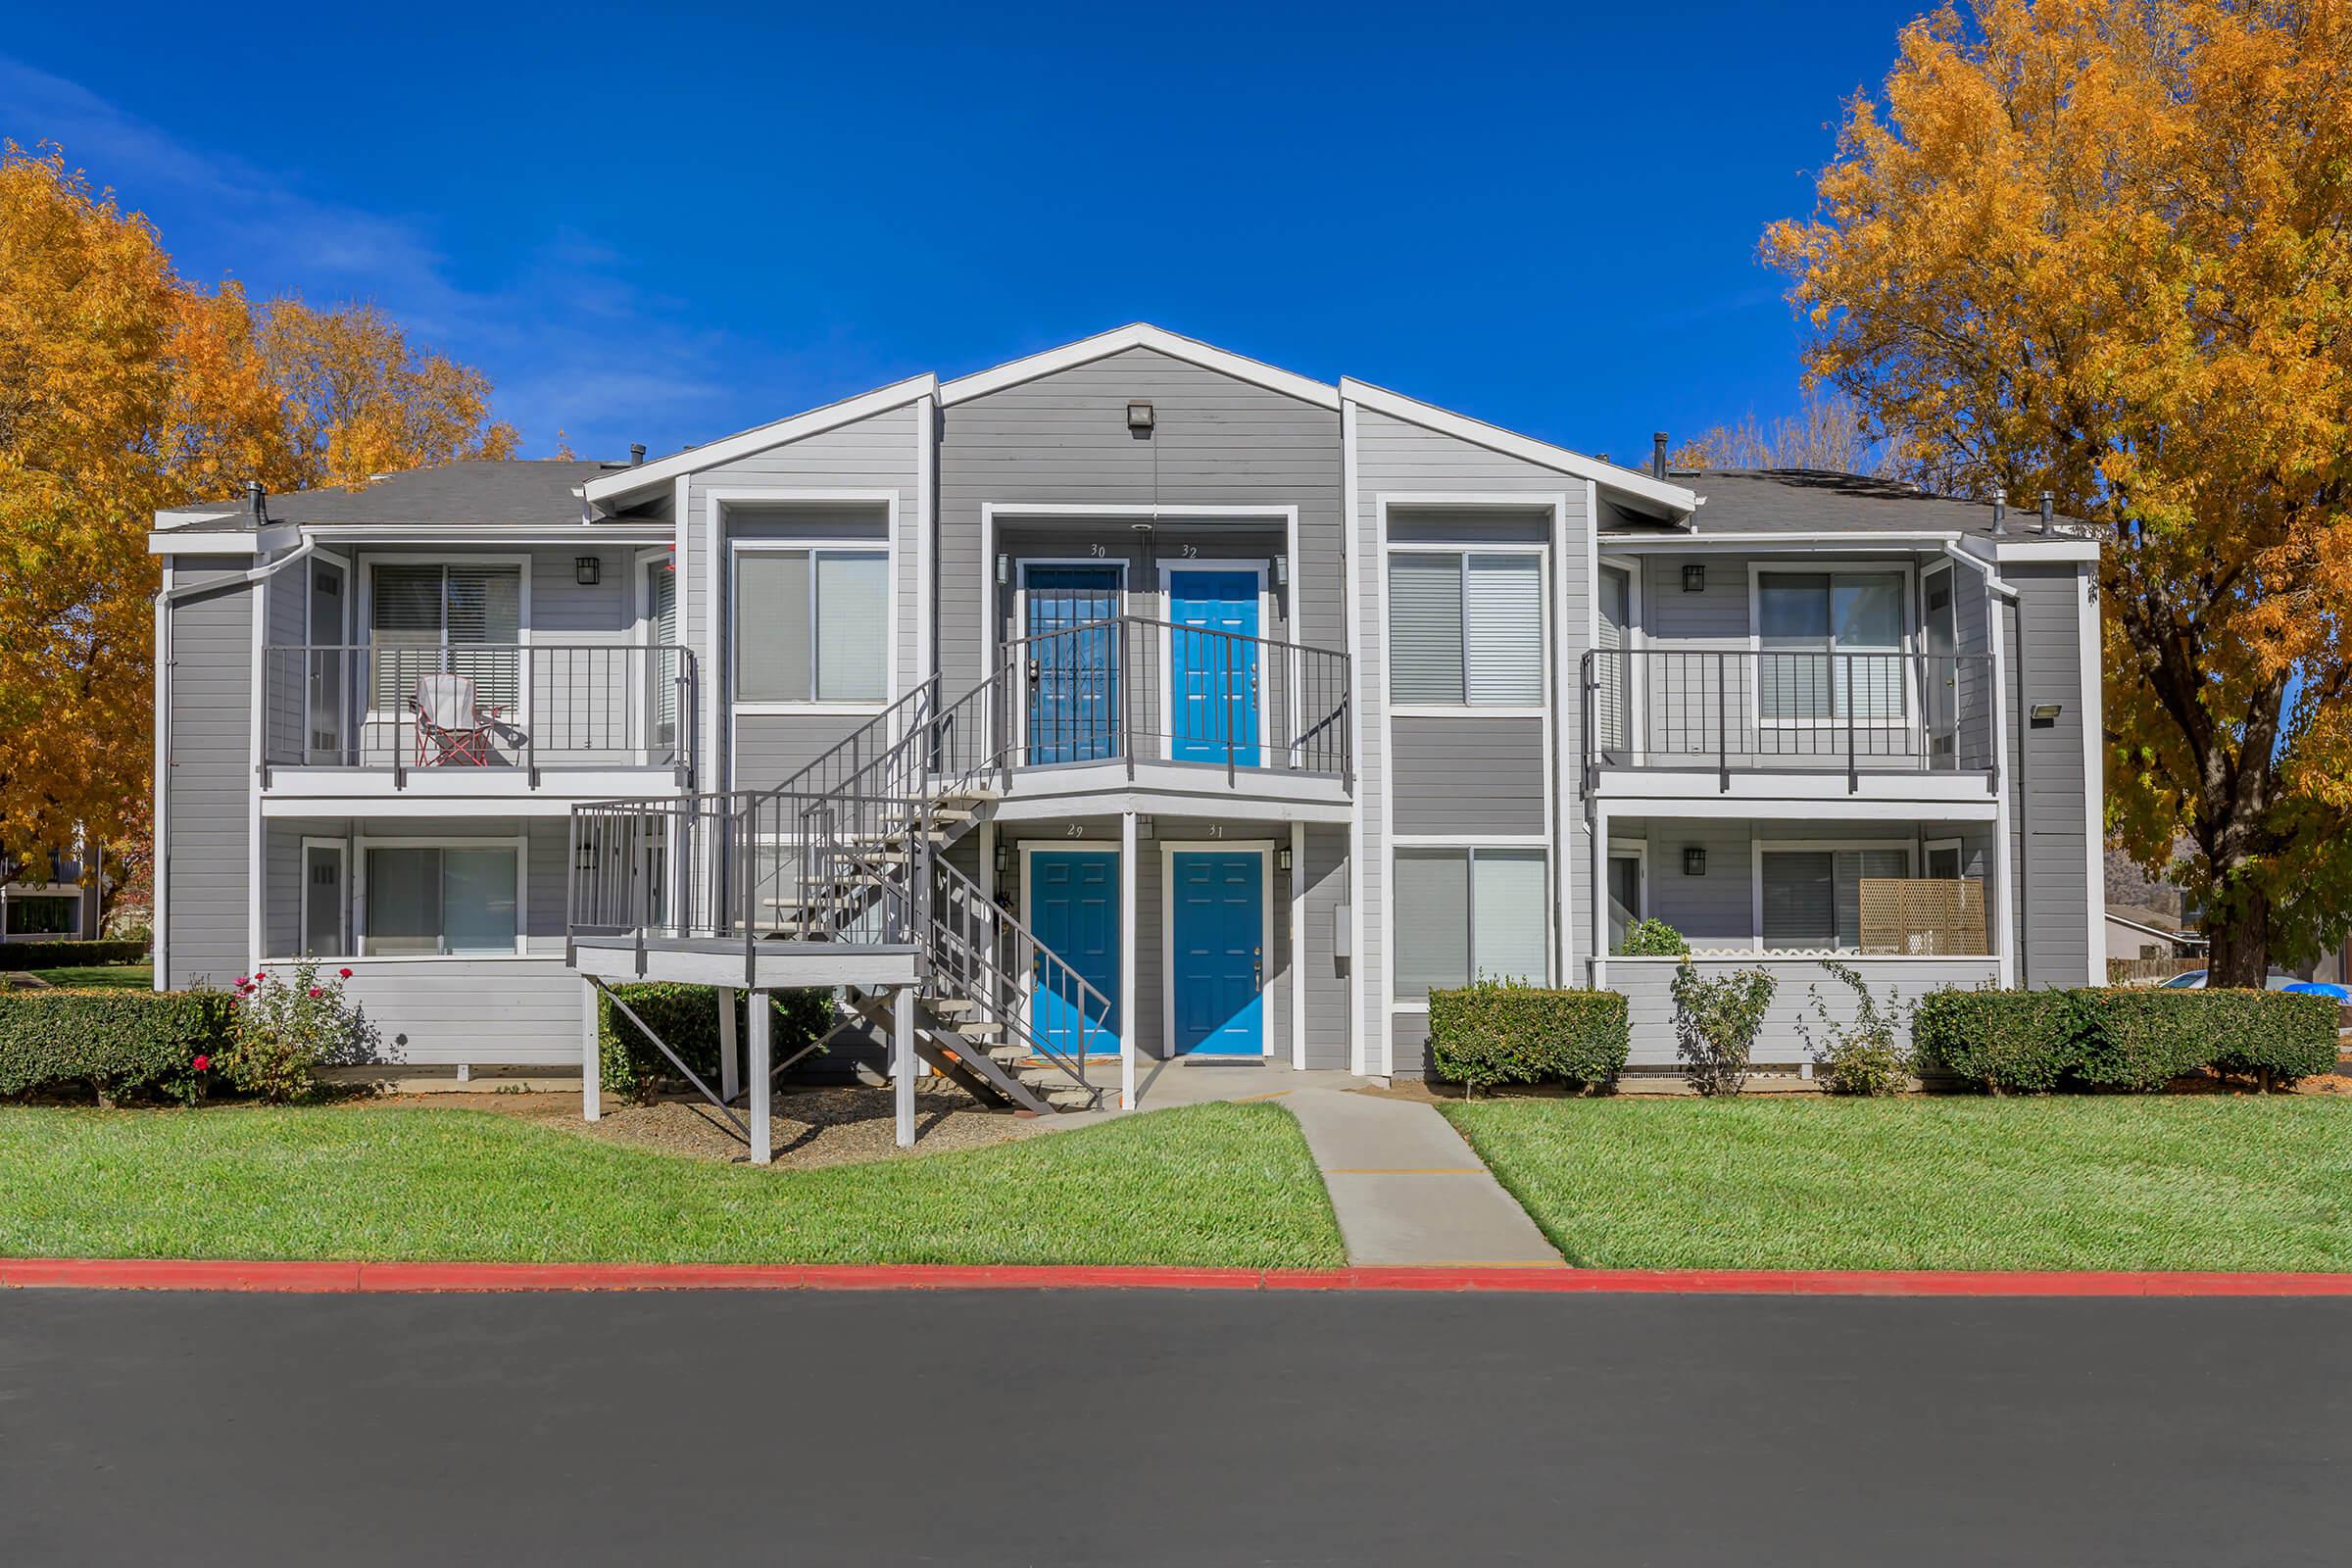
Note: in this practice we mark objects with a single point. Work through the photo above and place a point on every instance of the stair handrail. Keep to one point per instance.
(956, 951)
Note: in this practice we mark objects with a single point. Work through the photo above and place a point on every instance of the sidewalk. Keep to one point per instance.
(1408, 1191)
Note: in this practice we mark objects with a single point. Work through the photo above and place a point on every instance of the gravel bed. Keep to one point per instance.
(809, 1126)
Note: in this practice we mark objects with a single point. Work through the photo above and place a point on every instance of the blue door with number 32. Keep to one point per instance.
(1213, 666)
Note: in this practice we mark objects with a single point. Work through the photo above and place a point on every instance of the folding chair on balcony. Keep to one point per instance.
(453, 728)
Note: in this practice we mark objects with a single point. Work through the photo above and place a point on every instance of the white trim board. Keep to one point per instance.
(1169, 849)
(1137, 335)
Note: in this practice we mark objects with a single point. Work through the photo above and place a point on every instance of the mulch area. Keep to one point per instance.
(809, 1127)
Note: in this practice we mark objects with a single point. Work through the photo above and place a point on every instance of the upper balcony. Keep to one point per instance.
(475, 720)
(1766, 722)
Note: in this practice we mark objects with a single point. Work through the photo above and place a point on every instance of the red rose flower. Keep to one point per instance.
(232, 1004)
(202, 1063)
(345, 973)
(316, 993)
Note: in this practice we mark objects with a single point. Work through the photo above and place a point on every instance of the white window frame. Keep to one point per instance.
(1762, 847)
(641, 565)
(520, 843)
(1117, 565)
(1638, 850)
(363, 616)
(1908, 593)
(1169, 849)
(1167, 638)
(1929, 846)
(1541, 554)
(811, 547)
(342, 848)
(1507, 843)
(1636, 637)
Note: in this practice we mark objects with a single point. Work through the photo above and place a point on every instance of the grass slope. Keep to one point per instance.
(1204, 1184)
(2078, 1182)
(101, 977)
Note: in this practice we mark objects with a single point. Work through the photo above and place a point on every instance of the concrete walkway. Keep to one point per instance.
(1408, 1190)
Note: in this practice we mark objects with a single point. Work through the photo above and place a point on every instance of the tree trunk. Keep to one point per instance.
(2239, 935)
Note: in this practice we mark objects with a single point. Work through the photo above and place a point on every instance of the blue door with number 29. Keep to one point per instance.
(1074, 910)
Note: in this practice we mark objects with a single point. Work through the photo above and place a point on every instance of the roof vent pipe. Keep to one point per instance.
(2045, 512)
(258, 500)
(2000, 512)
(1658, 455)
(636, 453)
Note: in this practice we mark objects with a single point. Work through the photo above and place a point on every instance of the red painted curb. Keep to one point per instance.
(345, 1278)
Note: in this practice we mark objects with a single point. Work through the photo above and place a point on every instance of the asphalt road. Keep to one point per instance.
(1170, 1428)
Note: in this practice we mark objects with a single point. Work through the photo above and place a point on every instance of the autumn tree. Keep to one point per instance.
(2106, 250)
(1828, 431)
(124, 389)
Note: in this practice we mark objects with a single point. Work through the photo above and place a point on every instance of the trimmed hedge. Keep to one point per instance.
(2032, 1042)
(69, 955)
(686, 1017)
(115, 1043)
(1500, 1032)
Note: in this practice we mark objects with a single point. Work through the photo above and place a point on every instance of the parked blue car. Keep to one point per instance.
(2194, 980)
(2321, 988)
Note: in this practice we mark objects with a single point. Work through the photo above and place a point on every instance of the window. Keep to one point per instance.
(441, 899)
(1827, 636)
(1812, 898)
(442, 620)
(811, 625)
(1466, 629)
(41, 915)
(1465, 911)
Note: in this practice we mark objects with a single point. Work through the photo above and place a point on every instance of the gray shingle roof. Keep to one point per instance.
(1816, 501)
(519, 490)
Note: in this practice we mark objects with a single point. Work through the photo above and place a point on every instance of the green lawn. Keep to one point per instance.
(102, 977)
(2077, 1181)
(1204, 1184)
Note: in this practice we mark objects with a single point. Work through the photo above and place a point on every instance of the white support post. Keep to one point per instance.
(1127, 853)
(1600, 899)
(903, 1066)
(763, 1019)
(1297, 964)
(730, 1049)
(592, 1076)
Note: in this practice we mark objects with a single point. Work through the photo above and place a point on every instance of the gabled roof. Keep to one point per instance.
(630, 482)
(479, 491)
(1643, 490)
(1137, 335)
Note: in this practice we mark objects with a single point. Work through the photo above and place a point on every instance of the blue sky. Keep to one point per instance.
(667, 228)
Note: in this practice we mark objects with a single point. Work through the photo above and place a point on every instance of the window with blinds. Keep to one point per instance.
(1813, 897)
(1465, 630)
(424, 900)
(1830, 640)
(1469, 912)
(445, 619)
(811, 625)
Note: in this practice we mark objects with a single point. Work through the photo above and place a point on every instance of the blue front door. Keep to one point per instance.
(1074, 910)
(1073, 674)
(1212, 680)
(1217, 952)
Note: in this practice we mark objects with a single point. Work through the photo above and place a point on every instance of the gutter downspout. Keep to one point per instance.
(165, 597)
(2010, 863)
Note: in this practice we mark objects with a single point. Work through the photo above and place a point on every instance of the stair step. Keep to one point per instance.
(976, 1027)
(950, 1006)
(1070, 1099)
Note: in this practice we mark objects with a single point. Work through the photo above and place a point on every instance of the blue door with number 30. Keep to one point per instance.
(1073, 663)
(1213, 666)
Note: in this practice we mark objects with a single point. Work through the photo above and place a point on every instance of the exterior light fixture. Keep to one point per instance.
(1694, 578)
(587, 571)
(2047, 712)
(1281, 571)
(1282, 860)
(1003, 858)
(1694, 862)
(1143, 827)
(1138, 416)
(1004, 570)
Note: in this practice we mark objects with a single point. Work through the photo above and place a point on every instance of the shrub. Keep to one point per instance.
(686, 1017)
(1865, 1054)
(69, 954)
(1507, 1032)
(2134, 1039)
(1715, 1025)
(286, 1028)
(1653, 939)
(115, 1042)
(2006, 1041)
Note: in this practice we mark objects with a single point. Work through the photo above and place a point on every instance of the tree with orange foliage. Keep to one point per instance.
(2105, 249)
(124, 389)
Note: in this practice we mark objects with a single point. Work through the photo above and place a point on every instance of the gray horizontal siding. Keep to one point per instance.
(490, 1012)
(1469, 775)
(1323, 972)
(210, 780)
(2047, 825)
(1646, 986)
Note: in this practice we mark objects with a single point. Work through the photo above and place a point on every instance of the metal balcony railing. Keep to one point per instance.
(1770, 710)
(532, 706)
